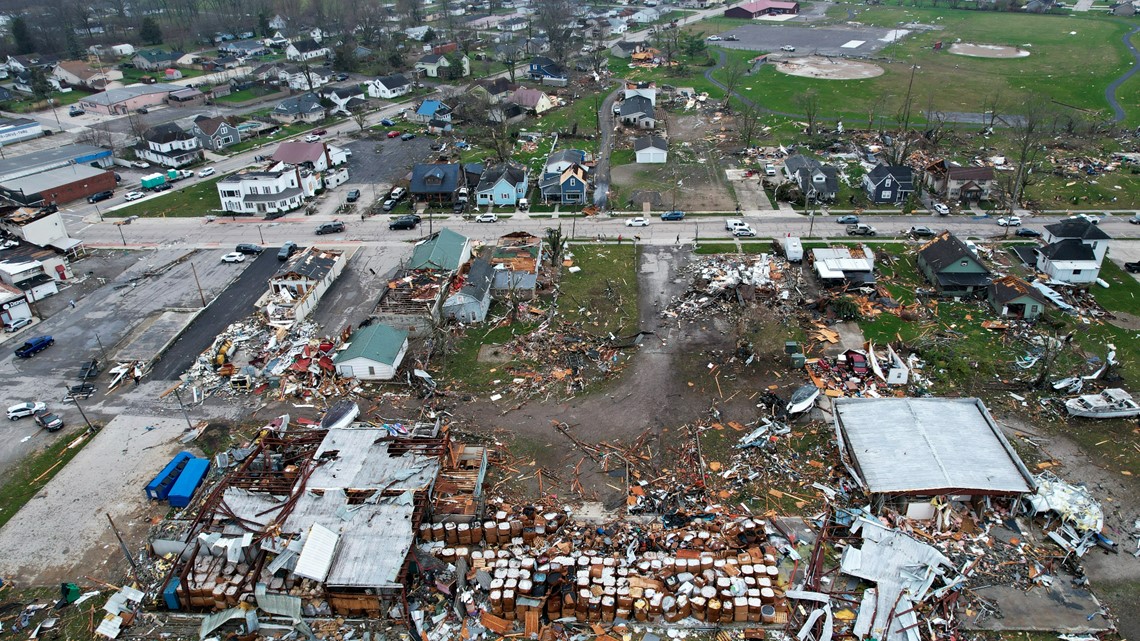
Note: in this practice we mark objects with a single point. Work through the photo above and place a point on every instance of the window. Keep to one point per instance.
(887, 183)
(227, 140)
(886, 195)
(1076, 271)
(371, 371)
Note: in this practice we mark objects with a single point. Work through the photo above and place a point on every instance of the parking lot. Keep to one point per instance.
(384, 161)
(830, 41)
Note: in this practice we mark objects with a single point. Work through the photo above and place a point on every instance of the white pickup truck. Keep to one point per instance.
(732, 223)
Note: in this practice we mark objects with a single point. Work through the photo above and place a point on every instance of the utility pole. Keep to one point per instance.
(260, 235)
(186, 414)
(195, 271)
(121, 234)
(75, 399)
(122, 545)
(101, 350)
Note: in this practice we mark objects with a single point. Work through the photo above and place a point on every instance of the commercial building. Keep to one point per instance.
(13, 304)
(297, 288)
(125, 100)
(57, 186)
(37, 161)
(13, 130)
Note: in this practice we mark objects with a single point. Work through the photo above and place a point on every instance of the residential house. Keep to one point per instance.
(536, 45)
(637, 111)
(417, 33)
(817, 182)
(623, 49)
(429, 110)
(302, 108)
(27, 62)
(169, 145)
(78, 73)
(888, 184)
(437, 65)
(278, 23)
(389, 87)
(844, 267)
(445, 250)
(5, 95)
(517, 261)
(651, 150)
(761, 8)
(645, 15)
(307, 49)
(503, 184)
(514, 24)
(372, 353)
(496, 90)
(634, 89)
(543, 67)
(436, 183)
(317, 156)
(221, 63)
(277, 190)
(305, 78)
(567, 187)
(471, 302)
(532, 100)
(561, 160)
(345, 100)
(617, 27)
(297, 287)
(155, 59)
(23, 83)
(244, 48)
(1074, 251)
(1012, 297)
(953, 182)
(952, 268)
(508, 51)
(215, 133)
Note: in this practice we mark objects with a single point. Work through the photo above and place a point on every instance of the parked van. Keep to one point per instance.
(793, 249)
(287, 250)
(732, 223)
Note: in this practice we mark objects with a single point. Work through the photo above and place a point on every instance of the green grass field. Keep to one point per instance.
(1057, 68)
(198, 199)
(246, 94)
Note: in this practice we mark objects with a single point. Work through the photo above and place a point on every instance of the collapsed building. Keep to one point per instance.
(297, 288)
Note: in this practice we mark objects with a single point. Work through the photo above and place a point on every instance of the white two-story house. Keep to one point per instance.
(280, 189)
(169, 146)
(1073, 252)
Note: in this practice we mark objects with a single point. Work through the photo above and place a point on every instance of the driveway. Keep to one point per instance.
(605, 146)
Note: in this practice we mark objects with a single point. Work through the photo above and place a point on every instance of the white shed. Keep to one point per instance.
(651, 150)
(373, 353)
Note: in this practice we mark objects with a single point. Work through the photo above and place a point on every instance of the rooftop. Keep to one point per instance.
(43, 181)
(312, 264)
(122, 94)
(927, 446)
(377, 342)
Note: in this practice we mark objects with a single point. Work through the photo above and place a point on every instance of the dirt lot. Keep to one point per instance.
(987, 51)
(694, 161)
(828, 68)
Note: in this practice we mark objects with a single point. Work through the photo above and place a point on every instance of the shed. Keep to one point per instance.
(910, 449)
(651, 150)
(471, 302)
(1012, 297)
(373, 353)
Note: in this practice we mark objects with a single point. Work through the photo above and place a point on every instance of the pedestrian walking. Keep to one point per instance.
(678, 241)
(71, 303)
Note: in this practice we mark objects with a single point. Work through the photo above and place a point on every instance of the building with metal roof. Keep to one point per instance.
(124, 100)
(37, 161)
(61, 185)
(444, 250)
(925, 447)
(373, 353)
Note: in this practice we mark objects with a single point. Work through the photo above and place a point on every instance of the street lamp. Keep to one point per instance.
(121, 235)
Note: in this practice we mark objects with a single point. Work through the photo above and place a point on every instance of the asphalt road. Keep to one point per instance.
(232, 304)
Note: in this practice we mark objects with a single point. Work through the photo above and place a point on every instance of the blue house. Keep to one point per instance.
(504, 184)
(566, 187)
(432, 110)
(543, 67)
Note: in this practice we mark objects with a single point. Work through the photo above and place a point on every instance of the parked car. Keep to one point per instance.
(80, 391)
(100, 196)
(134, 195)
(340, 77)
(287, 250)
(459, 206)
(486, 218)
(320, 132)
(139, 164)
(162, 187)
(941, 209)
(17, 324)
(249, 248)
(397, 193)
(769, 169)
(403, 222)
(143, 110)
(312, 138)
(713, 38)
(407, 136)
(1132, 268)
(1027, 232)
(24, 410)
(49, 421)
(1092, 219)
(34, 346)
(1135, 219)
(921, 232)
(1009, 221)
(330, 228)
(390, 204)
(393, 134)
(673, 215)
(787, 48)
(848, 220)
(353, 196)
(234, 257)
(208, 171)
(731, 38)
(387, 122)
(637, 222)
(861, 229)
(75, 110)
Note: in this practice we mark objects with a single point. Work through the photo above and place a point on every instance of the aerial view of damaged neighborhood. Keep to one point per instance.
(570, 320)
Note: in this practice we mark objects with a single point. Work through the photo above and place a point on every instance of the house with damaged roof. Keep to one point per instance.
(954, 182)
(951, 267)
(299, 284)
(1012, 297)
(517, 262)
(471, 293)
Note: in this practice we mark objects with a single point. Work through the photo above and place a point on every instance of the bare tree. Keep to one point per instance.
(556, 19)
(486, 123)
(874, 106)
(748, 124)
(733, 73)
(360, 117)
(1027, 133)
(808, 104)
(991, 107)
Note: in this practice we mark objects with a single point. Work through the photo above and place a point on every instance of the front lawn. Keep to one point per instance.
(198, 199)
(602, 297)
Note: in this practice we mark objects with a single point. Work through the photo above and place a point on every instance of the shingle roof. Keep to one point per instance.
(901, 174)
(1081, 228)
(1007, 288)
(527, 97)
(434, 179)
(308, 45)
(296, 152)
(479, 279)
(164, 133)
(377, 342)
(209, 126)
(393, 81)
(636, 106)
(304, 103)
(1068, 249)
(970, 173)
(944, 250)
(513, 175)
(646, 142)
(431, 59)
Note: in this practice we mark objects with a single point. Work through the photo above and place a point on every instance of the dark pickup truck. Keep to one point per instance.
(89, 370)
(34, 346)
